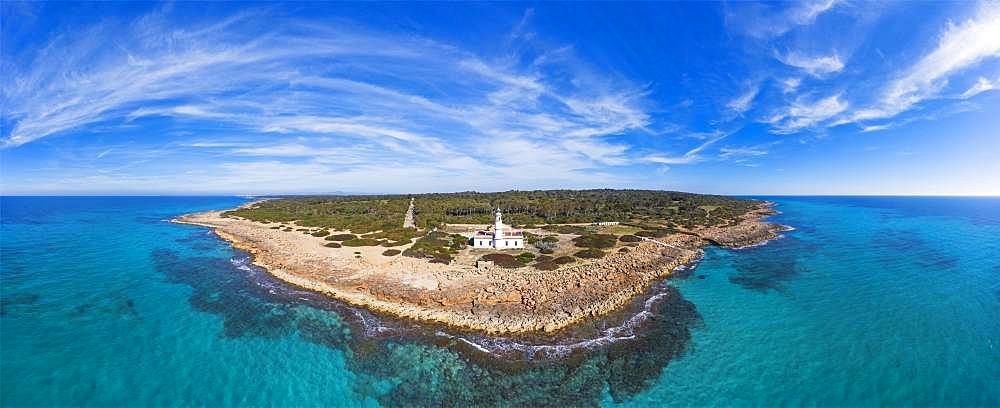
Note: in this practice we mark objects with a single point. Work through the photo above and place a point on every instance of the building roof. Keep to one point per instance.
(506, 234)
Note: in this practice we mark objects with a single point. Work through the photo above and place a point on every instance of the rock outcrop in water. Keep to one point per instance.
(490, 298)
(748, 232)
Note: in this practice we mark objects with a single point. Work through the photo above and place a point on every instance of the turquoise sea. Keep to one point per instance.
(869, 301)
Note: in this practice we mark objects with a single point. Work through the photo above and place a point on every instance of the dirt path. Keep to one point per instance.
(408, 220)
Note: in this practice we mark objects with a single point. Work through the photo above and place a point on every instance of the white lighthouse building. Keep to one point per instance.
(501, 237)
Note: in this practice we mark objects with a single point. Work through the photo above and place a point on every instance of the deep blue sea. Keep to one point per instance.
(869, 301)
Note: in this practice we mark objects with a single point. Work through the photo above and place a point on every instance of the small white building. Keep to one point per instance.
(501, 237)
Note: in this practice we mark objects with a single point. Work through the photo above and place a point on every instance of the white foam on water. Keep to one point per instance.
(499, 346)
(372, 326)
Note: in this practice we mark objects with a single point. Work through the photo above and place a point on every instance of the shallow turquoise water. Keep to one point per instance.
(870, 301)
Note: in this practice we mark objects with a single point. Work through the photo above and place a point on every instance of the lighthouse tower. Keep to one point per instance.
(498, 228)
(502, 237)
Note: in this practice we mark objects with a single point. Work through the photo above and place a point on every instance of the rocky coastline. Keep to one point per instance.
(489, 299)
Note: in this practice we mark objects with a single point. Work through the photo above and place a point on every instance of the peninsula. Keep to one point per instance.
(562, 256)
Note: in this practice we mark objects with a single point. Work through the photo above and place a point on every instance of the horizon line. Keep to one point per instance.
(488, 192)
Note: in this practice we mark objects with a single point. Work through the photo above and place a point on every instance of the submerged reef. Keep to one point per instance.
(621, 354)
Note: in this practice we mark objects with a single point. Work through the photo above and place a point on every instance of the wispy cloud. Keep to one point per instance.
(789, 85)
(804, 113)
(813, 65)
(960, 46)
(875, 128)
(771, 20)
(691, 156)
(438, 109)
(741, 103)
(743, 152)
(981, 85)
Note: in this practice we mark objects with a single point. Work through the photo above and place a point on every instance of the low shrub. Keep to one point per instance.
(394, 234)
(657, 233)
(503, 260)
(525, 257)
(595, 241)
(590, 253)
(546, 266)
(437, 245)
(566, 229)
(629, 238)
(275, 227)
(458, 242)
(391, 252)
(623, 250)
(394, 243)
(564, 260)
(321, 233)
(543, 258)
(341, 237)
(333, 245)
(441, 259)
(360, 242)
(547, 243)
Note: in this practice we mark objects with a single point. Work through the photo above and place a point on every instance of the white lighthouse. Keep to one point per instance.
(501, 237)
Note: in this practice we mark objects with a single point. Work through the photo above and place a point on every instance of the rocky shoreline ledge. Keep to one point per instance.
(489, 299)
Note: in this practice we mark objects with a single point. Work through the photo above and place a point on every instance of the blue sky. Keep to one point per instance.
(825, 97)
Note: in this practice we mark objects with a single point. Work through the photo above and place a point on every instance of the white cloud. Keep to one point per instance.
(289, 92)
(742, 152)
(804, 114)
(789, 85)
(981, 85)
(876, 128)
(959, 47)
(741, 103)
(691, 156)
(767, 21)
(813, 65)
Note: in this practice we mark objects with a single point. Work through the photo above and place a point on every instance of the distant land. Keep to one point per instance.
(506, 262)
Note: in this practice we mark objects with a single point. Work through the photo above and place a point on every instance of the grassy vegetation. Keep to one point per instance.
(525, 257)
(439, 246)
(360, 242)
(595, 241)
(341, 237)
(321, 233)
(394, 234)
(391, 252)
(547, 263)
(564, 260)
(657, 233)
(567, 229)
(546, 244)
(503, 260)
(591, 253)
(629, 238)
(620, 229)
